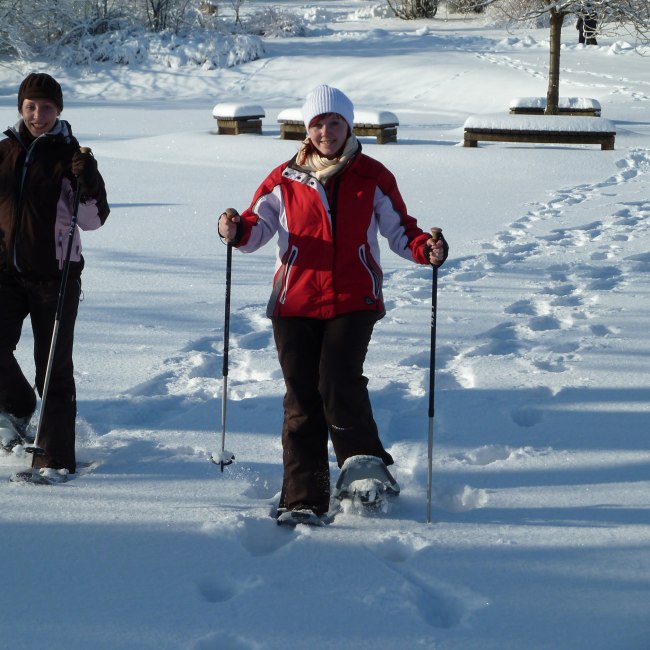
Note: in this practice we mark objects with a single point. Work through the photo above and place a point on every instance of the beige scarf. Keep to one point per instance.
(323, 168)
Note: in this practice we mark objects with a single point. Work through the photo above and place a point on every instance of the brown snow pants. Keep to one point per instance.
(20, 298)
(326, 395)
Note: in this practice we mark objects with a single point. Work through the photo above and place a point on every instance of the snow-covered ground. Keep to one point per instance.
(541, 468)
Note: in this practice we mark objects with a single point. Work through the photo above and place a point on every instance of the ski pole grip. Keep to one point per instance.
(229, 213)
(436, 233)
(84, 150)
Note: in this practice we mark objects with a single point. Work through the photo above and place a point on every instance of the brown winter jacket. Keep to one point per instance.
(36, 204)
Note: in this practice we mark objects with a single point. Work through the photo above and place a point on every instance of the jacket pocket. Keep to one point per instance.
(62, 242)
(291, 260)
(373, 272)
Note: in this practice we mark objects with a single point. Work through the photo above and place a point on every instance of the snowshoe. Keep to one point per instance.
(19, 425)
(362, 468)
(370, 493)
(43, 476)
(9, 439)
(365, 484)
(299, 516)
(12, 431)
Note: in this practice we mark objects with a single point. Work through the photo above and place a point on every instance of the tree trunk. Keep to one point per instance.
(553, 92)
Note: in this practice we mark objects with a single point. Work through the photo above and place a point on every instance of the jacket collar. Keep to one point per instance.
(61, 131)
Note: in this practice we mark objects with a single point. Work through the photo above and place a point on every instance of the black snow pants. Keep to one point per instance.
(326, 394)
(20, 298)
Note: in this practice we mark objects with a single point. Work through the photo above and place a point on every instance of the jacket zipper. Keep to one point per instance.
(332, 197)
(18, 222)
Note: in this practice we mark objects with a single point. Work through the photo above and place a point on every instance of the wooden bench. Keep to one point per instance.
(292, 126)
(235, 119)
(566, 106)
(546, 129)
(380, 124)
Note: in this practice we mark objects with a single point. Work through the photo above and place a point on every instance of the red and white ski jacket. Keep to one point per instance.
(328, 259)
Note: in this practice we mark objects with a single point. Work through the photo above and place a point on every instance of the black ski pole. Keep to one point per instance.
(34, 448)
(436, 233)
(225, 457)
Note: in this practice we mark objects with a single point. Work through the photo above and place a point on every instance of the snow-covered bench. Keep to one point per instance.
(381, 124)
(566, 106)
(292, 126)
(539, 129)
(233, 119)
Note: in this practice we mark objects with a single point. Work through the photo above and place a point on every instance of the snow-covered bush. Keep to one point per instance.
(226, 50)
(317, 15)
(507, 13)
(274, 23)
(123, 47)
(464, 6)
(413, 9)
(206, 49)
(374, 11)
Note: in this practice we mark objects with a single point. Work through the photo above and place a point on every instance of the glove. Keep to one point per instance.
(436, 249)
(84, 168)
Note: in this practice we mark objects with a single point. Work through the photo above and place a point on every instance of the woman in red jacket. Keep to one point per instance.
(327, 206)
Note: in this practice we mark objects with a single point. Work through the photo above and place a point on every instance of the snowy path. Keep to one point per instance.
(571, 300)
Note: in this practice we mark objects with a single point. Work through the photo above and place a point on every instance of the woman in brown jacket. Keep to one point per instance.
(41, 170)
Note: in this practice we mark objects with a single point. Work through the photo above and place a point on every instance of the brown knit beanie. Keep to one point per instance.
(39, 85)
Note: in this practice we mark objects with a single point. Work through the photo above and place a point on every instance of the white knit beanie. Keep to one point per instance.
(325, 99)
